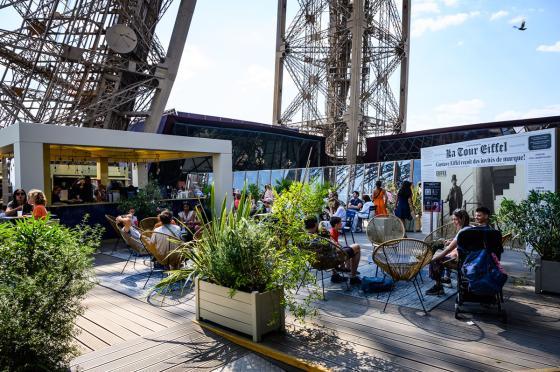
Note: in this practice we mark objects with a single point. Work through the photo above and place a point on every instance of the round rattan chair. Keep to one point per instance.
(383, 228)
(148, 223)
(402, 260)
(437, 237)
(170, 258)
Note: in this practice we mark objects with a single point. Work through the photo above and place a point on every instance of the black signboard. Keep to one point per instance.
(540, 142)
(431, 196)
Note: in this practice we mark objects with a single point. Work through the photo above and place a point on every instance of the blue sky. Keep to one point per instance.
(467, 63)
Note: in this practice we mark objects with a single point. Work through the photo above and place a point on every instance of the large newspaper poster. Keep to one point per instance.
(484, 172)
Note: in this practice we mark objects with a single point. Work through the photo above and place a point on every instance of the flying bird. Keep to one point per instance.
(522, 28)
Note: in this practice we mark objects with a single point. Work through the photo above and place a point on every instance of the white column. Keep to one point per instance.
(223, 180)
(29, 172)
(139, 174)
(5, 181)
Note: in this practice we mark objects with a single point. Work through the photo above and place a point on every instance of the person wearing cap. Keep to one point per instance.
(455, 196)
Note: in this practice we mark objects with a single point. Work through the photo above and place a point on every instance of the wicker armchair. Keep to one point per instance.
(437, 237)
(171, 258)
(148, 224)
(326, 256)
(112, 221)
(136, 247)
(384, 227)
(402, 260)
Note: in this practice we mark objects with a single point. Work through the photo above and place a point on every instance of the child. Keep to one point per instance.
(38, 200)
(353, 252)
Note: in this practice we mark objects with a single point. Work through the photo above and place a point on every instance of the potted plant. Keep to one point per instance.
(536, 221)
(417, 208)
(244, 273)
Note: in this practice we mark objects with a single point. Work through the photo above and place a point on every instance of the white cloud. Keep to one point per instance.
(550, 110)
(516, 20)
(499, 14)
(450, 2)
(257, 77)
(549, 48)
(448, 115)
(460, 43)
(460, 112)
(425, 7)
(193, 62)
(421, 25)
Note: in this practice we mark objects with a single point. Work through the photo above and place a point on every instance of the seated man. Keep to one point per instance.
(311, 226)
(167, 232)
(482, 216)
(353, 251)
(355, 203)
(129, 223)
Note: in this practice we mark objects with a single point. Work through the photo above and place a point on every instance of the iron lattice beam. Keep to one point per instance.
(57, 67)
(339, 56)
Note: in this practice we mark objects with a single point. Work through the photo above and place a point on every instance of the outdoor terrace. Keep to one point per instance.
(123, 329)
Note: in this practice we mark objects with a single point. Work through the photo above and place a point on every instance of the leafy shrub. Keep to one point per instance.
(148, 202)
(536, 220)
(282, 185)
(253, 191)
(45, 272)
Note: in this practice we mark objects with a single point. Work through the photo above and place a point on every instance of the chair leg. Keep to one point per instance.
(418, 292)
(149, 276)
(352, 235)
(302, 279)
(419, 288)
(388, 297)
(323, 285)
(127, 261)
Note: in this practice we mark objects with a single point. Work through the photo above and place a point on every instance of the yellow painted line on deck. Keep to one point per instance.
(264, 350)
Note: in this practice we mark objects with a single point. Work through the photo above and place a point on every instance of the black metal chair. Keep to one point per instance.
(347, 227)
(469, 241)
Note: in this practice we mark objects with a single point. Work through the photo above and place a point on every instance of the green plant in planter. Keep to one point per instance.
(147, 202)
(536, 220)
(244, 254)
(45, 272)
(416, 201)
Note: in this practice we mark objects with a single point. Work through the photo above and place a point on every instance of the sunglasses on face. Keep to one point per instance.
(20, 193)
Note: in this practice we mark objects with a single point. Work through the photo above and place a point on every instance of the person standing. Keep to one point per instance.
(380, 199)
(404, 202)
(455, 196)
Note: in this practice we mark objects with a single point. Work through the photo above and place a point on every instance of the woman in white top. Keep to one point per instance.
(186, 215)
(362, 213)
(337, 210)
(268, 194)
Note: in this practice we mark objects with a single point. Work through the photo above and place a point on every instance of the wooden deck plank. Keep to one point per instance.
(433, 326)
(98, 331)
(89, 340)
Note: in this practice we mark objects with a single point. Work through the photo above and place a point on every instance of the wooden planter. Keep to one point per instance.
(547, 276)
(249, 313)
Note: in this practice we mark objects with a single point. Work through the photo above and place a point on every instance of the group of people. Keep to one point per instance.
(362, 208)
(263, 205)
(27, 204)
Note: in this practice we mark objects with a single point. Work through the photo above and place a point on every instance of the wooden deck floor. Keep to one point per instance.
(350, 333)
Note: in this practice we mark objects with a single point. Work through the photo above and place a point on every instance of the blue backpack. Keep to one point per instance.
(373, 284)
(484, 276)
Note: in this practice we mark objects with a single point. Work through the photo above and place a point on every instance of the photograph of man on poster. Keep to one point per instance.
(455, 196)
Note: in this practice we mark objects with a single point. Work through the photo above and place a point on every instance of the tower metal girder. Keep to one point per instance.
(57, 67)
(339, 57)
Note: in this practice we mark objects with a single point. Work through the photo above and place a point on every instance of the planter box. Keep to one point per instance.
(249, 313)
(547, 276)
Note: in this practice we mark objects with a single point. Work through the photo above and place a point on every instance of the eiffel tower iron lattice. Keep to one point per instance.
(341, 59)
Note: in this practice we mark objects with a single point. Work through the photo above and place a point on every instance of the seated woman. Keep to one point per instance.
(127, 222)
(18, 203)
(186, 215)
(38, 200)
(337, 210)
(362, 213)
(461, 221)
